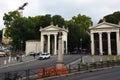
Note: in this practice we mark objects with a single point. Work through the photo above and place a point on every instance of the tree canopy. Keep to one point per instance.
(27, 28)
(112, 18)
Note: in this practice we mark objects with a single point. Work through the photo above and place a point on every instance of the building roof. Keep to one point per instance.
(53, 28)
(105, 23)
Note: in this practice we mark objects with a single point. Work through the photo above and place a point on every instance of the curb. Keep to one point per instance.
(16, 63)
(80, 72)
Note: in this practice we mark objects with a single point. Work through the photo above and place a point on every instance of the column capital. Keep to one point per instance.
(108, 32)
(54, 34)
(100, 32)
(48, 34)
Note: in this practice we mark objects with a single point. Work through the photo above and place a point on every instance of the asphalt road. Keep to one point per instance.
(39, 63)
(107, 74)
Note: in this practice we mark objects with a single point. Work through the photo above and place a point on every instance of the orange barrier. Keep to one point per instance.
(62, 70)
(52, 71)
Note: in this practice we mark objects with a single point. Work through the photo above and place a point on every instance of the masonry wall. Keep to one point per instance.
(32, 46)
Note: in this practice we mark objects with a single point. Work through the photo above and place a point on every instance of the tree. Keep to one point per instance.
(112, 18)
(78, 29)
(82, 21)
(10, 17)
(58, 20)
(18, 28)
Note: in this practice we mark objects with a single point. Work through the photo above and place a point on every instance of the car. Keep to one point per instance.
(32, 53)
(44, 56)
(2, 53)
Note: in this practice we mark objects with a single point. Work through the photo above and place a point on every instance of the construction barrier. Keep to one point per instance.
(52, 71)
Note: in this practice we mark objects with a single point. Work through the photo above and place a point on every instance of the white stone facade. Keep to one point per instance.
(110, 44)
(49, 39)
(32, 46)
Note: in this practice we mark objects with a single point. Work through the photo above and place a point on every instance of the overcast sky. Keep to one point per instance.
(95, 9)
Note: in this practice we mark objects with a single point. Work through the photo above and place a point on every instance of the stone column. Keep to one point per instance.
(100, 44)
(117, 38)
(60, 55)
(92, 44)
(48, 43)
(42, 42)
(55, 45)
(66, 47)
(109, 43)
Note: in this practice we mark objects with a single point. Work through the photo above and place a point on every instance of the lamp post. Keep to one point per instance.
(21, 46)
(21, 42)
(81, 44)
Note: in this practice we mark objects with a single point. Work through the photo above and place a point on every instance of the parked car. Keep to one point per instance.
(2, 53)
(44, 56)
(32, 53)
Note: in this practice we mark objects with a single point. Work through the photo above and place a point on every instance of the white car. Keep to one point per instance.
(44, 56)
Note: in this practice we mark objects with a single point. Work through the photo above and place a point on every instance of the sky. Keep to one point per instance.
(96, 9)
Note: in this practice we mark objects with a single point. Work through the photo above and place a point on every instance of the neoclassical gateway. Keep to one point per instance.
(105, 39)
(49, 39)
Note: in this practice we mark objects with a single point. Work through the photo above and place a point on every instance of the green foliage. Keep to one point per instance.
(78, 29)
(23, 29)
(112, 18)
(58, 20)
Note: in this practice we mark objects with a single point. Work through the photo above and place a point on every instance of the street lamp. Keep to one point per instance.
(81, 44)
(21, 42)
(21, 46)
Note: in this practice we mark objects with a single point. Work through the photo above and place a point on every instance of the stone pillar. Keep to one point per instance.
(66, 47)
(42, 43)
(109, 43)
(60, 55)
(92, 44)
(100, 44)
(118, 43)
(48, 43)
(55, 45)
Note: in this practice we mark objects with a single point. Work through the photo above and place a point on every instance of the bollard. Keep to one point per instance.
(108, 63)
(101, 64)
(12, 59)
(27, 74)
(93, 60)
(78, 67)
(69, 68)
(5, 62)
(87, 66)
(101, 59)
(83, 61)
(9, 59)
(95, 65)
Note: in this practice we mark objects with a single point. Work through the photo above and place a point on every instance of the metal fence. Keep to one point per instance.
(29, 74)
(93, 65)
(32, 74)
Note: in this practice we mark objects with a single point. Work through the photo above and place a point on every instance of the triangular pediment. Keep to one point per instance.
(49, 28)
(52, 28)
(105, 25)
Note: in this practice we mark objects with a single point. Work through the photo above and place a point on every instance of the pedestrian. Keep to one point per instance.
(34, 55)
(17, 57)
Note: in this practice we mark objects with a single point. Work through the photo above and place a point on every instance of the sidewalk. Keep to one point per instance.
(12, 61)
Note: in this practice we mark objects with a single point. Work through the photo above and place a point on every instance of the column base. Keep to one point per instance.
(61, 69)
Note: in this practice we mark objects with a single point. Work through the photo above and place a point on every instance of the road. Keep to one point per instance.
(39, 63)
(108, 74)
